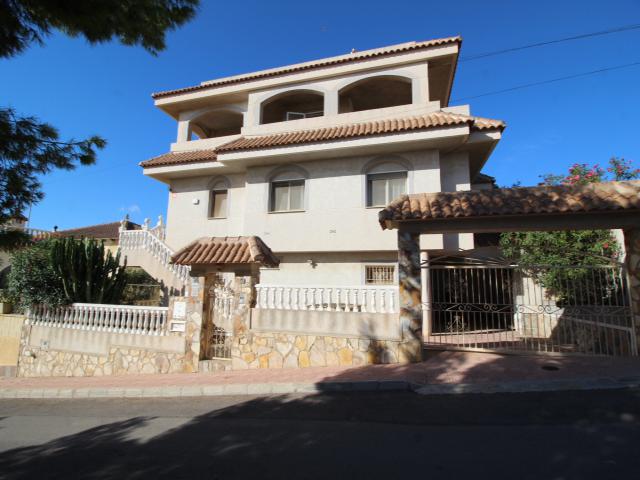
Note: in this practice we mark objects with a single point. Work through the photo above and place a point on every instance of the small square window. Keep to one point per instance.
(287, 196)
(382, 188)
(218, 204)
(380, 274)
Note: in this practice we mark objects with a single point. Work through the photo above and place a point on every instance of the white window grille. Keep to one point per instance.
(380, 274)
(301, 115)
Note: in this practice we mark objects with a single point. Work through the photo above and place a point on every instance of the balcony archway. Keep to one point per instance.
(215, 123)
(292, 105)
(375, 92)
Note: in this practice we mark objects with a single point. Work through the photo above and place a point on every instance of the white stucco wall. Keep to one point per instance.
(335, 219)
(315, 268)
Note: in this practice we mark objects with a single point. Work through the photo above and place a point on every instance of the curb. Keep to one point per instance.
(209, 390)
(323, 387)
(525, 386)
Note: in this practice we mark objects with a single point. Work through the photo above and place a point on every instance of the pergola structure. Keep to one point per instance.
(610, 205)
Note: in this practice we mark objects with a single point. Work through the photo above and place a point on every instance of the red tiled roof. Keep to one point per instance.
(375, 127)
(426, 121)
(177, 158)
(326, 62)
(226, 250)
(102, 231)
(596, 197)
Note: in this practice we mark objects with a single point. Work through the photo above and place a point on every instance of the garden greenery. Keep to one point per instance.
(571, 254)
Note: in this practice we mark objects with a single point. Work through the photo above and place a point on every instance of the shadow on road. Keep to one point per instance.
(574, 435)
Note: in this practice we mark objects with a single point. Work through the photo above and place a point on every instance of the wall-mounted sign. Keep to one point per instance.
(178, 326)
(179, 309)
(195, 288)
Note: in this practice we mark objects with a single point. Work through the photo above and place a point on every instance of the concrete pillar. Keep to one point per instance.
(410, 297)
(632, 263)
(183, 131)
(331, 103)
(420, 87)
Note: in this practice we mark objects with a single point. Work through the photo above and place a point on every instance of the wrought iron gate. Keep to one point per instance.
(490, 305)
(220, 303)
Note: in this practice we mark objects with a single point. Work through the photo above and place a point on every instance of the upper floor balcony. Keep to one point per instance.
(373, 96)
(326, 92)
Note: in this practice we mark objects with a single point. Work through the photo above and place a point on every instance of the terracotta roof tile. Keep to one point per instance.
(326, 62)
(226, 250)
(597, 197)
(427, 121)
(375, 127)
(104, 230)
(177, 158)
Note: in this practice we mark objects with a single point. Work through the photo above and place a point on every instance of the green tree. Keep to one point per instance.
(578, 249)
(132, 22)
(30, 147)
(32, 279)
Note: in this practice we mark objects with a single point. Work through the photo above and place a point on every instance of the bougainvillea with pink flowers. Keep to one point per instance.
(574, 247)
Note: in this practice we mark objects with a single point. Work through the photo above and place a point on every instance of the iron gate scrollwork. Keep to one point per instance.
(494, 305)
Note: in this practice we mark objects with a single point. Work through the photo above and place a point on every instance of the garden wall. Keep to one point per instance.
(299, 339)
(10, 329)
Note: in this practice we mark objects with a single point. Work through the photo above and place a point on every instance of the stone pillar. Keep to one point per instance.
(410, 297)
(427, 306)
(632, 263)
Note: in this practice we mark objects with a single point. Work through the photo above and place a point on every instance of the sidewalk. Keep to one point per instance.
(440, 373)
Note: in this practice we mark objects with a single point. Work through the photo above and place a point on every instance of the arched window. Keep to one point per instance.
(293, 105)
(219, 199)
(385, 181)
(287, 191)
(375, 92)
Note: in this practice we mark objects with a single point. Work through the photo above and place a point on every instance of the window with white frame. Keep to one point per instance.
(384, 187)
(286, 195)
(379, 274)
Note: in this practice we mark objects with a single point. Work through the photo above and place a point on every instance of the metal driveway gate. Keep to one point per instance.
(488, 305)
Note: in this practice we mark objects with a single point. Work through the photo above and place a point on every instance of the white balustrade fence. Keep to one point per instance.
(148, 241)
(35, 233)
(361, 298)
(102, 318)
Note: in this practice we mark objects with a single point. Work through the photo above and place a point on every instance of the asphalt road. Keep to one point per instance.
(568, 435)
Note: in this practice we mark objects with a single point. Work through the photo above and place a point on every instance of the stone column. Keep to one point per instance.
(632, 263)
(410, 297)
(427, 305)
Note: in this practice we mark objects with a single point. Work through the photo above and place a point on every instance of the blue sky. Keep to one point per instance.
(105, 89)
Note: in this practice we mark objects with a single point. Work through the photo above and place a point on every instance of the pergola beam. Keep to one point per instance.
(520, 223)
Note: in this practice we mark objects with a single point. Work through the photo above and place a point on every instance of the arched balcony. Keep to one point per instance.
(293, 105)
(216, 123)
(375, 92)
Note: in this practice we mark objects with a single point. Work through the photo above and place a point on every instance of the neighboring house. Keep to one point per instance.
(305, 156)
(109, 233)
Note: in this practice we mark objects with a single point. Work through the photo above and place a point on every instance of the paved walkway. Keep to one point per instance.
(441, 372)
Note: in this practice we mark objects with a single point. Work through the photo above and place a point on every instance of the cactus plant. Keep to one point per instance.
(89, 272)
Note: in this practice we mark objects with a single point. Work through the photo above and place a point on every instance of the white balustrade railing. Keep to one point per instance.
(102, 318)
(148, 241)
(360, 298)
(35, 233)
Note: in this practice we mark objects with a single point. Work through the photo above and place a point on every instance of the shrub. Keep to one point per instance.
(32, 280)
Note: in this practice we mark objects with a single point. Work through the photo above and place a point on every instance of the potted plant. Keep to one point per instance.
(5, 302)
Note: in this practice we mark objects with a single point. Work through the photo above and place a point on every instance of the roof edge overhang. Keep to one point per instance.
(378, 143)
(602, 219)
(256, 81)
